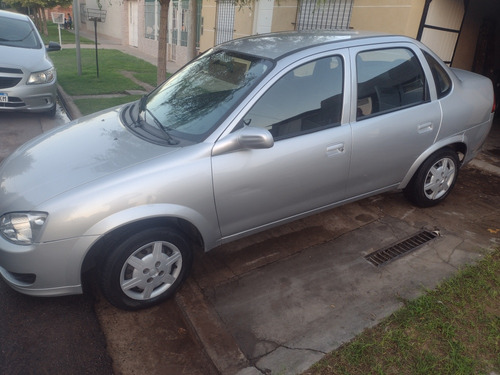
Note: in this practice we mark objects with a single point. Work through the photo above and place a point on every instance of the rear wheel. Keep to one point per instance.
(434, 179)
(145, 268)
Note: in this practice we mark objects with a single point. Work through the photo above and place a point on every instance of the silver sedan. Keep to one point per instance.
(27, 75)
(254, 133)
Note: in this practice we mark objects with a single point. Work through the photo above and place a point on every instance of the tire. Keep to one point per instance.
(434, 179)
(145, 268)
(51, 112)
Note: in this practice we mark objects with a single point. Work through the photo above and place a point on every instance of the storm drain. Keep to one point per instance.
(393, 252)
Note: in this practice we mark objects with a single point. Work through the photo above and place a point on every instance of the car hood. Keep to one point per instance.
(31, 60)
(70, 156)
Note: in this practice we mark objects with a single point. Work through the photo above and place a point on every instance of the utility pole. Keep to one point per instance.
(76, 23)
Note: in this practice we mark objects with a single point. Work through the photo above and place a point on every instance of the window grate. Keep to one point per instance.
(327, 14)
(388, 254)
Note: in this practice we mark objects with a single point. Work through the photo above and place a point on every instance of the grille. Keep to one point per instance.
(6, 82)
(13, 102)
(399, 249)
(11, 70)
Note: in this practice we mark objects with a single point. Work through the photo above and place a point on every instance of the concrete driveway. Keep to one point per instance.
(277, 302)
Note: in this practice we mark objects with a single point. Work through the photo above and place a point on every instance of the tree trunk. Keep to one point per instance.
(192, 32)
(44, 22)
(36, 18)
(162, 42)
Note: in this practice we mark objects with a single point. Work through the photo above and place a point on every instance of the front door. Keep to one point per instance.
(308, 165)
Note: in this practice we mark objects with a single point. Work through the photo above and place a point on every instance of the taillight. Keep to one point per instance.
(494, 108)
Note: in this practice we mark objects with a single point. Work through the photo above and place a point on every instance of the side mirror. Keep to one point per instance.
(247, 138)
(53, 46)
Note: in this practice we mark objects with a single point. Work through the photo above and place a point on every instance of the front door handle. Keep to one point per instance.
(335, 149)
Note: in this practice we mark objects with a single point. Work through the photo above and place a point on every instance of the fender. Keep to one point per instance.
(458, 138)
(207, 229)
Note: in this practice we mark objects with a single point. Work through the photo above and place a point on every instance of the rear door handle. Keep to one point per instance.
(424, 128)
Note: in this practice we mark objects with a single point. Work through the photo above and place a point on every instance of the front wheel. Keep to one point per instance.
(145, 268)
(434, 179)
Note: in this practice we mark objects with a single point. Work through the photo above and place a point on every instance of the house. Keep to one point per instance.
(462, 32)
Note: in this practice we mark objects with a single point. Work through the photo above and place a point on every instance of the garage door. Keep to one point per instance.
(441, 27)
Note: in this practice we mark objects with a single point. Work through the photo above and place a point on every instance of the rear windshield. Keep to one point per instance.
(18, 33)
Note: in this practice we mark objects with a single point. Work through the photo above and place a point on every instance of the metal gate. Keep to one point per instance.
(225, 21)
(441, 25)
(328, 14)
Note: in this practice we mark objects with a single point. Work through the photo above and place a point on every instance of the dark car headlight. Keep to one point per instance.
(22, 228)
(45, 76)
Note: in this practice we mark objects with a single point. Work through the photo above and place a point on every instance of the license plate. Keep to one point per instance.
(4, 98)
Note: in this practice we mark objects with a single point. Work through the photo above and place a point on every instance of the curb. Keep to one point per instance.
(67, 103)
(206, 326)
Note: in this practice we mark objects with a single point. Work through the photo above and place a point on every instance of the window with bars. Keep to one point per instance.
(225, 21)
(151, 19)
(328, 14)
(179, 22)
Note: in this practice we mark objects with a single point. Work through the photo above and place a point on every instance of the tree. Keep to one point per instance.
(36, 8)
(162, 42)
(163, 33)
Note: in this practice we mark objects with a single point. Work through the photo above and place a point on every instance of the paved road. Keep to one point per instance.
(46, 335)
(281, 298)
(66, 336)
(17, 128)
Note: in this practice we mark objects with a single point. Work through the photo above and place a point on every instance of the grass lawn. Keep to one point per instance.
(111, 79)
(66, 36)
(111, 64)
(452, 330)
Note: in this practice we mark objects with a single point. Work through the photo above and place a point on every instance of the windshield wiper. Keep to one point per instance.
(171, 141)
(142, 107)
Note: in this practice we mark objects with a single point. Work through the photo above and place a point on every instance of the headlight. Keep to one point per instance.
(46, 76)
(22, 228)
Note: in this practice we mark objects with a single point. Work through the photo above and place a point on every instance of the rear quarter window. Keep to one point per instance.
(441, 78)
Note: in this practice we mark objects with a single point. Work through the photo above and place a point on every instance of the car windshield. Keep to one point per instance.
(18, 33)
(198, 97)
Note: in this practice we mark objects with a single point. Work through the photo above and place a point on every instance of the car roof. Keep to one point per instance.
(18, 16)
(277, 45)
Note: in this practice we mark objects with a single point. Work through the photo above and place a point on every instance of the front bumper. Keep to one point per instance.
(30, 98)
(45, 269)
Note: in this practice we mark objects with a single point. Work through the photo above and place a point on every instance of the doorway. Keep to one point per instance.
(133, 31)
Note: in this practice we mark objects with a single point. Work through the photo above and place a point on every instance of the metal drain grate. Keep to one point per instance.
(392, 252)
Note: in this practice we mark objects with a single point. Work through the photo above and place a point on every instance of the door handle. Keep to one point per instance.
(424, 128)
(335, 149)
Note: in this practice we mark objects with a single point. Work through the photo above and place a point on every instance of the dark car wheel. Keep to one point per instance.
(145, 269)
(52, 111)
(434, 179)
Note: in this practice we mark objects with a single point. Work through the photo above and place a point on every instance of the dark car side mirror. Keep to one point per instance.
(53, 46)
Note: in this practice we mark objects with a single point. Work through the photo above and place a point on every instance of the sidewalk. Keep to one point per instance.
(107, 42)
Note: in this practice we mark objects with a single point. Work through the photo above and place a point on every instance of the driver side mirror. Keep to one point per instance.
(246, 138)
(53, 46)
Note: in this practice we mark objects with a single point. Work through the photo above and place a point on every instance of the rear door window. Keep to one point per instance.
(388, 80)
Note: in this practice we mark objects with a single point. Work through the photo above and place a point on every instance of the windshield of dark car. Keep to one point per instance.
(196, 99)
(18, 33)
